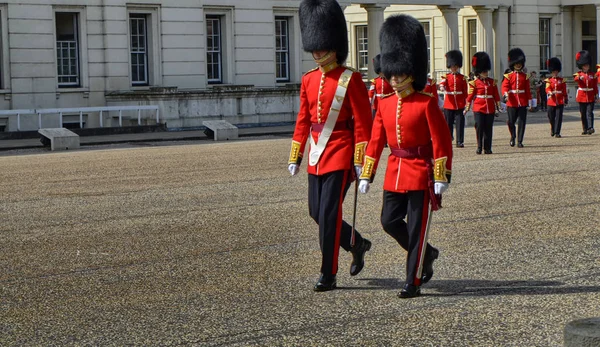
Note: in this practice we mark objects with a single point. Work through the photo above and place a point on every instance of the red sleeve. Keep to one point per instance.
(528, 89)
(374, 148)
(470, 93)
(372, 89)
(443, 82)
(505, 85)
(496, 94)
(440, 138)
(363, 117)
(434, 90)
(303, 125)
(548, 88)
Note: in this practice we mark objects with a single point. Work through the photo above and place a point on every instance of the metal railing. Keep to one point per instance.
(81, 111)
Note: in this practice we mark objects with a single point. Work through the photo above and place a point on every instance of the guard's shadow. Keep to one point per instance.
(483, 287)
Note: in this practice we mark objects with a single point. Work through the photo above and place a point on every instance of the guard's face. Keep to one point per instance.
(554, 73)
(400, 82)
(484, 74)
(518, 67)
(586, 67)
(324, 57)
(454, 68)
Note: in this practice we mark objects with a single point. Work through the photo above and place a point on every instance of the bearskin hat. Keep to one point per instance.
(582, 58)
(404, 49)
(481, 62)
(323, 27)
(454, 57)
(554, 64)
(516, 56)
(377, 64)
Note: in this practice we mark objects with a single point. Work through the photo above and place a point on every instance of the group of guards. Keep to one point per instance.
(347, 139)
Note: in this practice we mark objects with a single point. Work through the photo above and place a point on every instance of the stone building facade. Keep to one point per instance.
(241, 60)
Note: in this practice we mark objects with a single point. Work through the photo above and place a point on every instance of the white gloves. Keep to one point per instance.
(363, 186)
(293, 169)
(358, 170)
(438, 188)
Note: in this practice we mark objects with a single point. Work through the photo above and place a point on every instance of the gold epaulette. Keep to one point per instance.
(351, 68)
(425, 93)
(575, 74)
(527, 76)
(386, 95)
(597, 66)
(507, 75)
(373, 81)
(547, 80)
(433, 81)
(473, 83)
(311, 70)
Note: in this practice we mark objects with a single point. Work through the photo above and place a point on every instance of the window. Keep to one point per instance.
(544, 42)
(214, 51)
(427, 31)
(67, 49)
(362, 49)
(471, 38)
(282, 49)
(588, 28)
(138, 32)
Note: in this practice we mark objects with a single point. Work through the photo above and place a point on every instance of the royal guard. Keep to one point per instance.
(587, 91)
(379, 85)
(556, 90)
(418, 168)
(483, 93)
(454, 87)
(335, 116)
(431, 87)
(517, 95)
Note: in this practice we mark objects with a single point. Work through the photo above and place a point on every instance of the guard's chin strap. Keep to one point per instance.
(324, 58)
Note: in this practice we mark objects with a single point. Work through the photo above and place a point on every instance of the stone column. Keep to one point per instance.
(568, 50)
(597, 33)
(501, 40)
(375, 21)
(485, 33)
(577, 35)
(450, 27)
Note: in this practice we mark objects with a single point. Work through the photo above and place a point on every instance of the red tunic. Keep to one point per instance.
(556, 88)
(484, 95)
(379, 87)
(431, 88)
(345, 147)
(516, 86)
(419, 122)
(587, 87)
(455, 86)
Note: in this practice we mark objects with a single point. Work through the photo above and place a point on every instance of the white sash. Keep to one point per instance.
(316, 149)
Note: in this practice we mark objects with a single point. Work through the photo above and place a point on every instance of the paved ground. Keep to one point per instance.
(210, 244)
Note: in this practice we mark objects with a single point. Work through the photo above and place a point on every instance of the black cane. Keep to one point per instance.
(352, 237)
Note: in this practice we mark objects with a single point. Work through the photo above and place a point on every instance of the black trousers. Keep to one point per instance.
(457, 116)
(410, 234)
(517, 115)
(325, 198)
(555, 117)
(543, 98)
(586, 109)
(484, 129)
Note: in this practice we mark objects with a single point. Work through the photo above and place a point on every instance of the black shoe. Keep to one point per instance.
(488, 151)
(512, 142)
(551, 134)
(325, 283)
(585, 132)
(428, 265)
(409, 291)
(591, 131)
(520, 145)
(460, 145)
(358, 257)
(478, 151)
(557, 136)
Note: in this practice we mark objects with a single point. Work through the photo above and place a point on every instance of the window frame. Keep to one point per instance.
(361, 55)
(471, 42)
(428, 38)
(219, 52)
(294, 58)
(153, 45)
(285, 52)
(60, 59)
(547, 47)
(81, 12)
(4, 50)
(227, 44)
(137, 17)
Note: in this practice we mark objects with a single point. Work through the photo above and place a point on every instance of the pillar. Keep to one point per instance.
(374, 23)
(501, 40)
(450, 27)
(577, 35)
(485, 33)
(568, 48)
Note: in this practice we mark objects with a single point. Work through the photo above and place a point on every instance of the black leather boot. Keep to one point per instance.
(325, 283)
(358, 257)
(428, 265)
(409, 291)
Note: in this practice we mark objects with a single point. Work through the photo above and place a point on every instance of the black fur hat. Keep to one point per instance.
(454, 57)
(481, 62)
(404, 49)
(554, 64)
(377, 64)
(516, 56)
(582, 58)
(323, 27)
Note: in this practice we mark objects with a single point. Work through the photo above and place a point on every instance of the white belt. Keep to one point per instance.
(516, 91)
(557, 92)
(586, 89)
(379, 95)
(453, 93)
(484, 96)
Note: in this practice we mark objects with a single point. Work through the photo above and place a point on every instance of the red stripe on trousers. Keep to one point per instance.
(338, 227)
(422, 241)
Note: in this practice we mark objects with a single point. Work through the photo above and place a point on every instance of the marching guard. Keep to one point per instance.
(483, 93)
(335, 117)
(379, 85)
(454, 87)
(517, 95)
(587, 91)
(556, 90)
(418, 169)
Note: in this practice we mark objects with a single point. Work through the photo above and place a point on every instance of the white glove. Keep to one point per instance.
(438, 188)
(358, 170)
(293, 169)
(363, 186)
